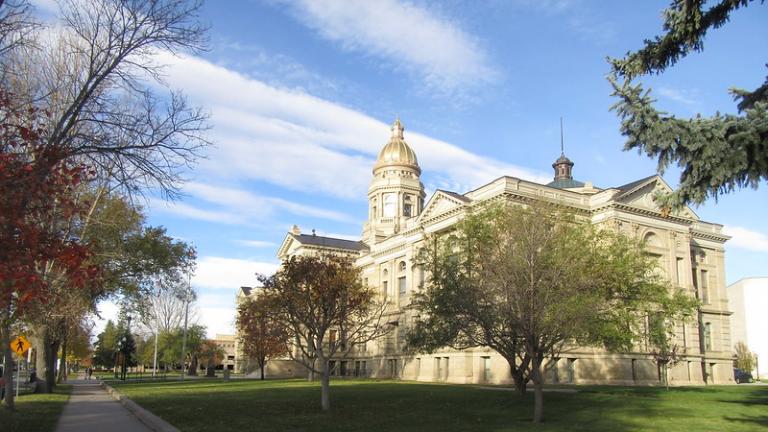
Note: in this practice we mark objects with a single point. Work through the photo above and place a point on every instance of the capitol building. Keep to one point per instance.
(690, 253)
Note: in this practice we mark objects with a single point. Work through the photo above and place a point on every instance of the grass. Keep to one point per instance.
(36, 412)
(294, 405)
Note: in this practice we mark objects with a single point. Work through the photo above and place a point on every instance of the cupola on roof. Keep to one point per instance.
(397, 152)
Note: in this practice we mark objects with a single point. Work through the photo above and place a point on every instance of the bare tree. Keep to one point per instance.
(325, 310)
(164, 312)
(16, 25)
(97, 73)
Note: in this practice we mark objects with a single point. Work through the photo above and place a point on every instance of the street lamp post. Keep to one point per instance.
(187, 296)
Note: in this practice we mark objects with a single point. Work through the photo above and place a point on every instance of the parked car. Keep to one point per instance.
(742, 376)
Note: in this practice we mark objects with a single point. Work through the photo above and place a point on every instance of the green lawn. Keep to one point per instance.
(35, 412)
(406, 406)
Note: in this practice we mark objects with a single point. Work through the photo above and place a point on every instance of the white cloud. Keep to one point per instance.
(239, 206)
(681, 96)
(305, 143)
(744, 238)
(228, 273)
(408, 37)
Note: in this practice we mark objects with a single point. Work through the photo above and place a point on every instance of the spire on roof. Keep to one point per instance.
(397, 128)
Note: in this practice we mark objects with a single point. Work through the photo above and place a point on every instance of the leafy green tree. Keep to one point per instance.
(170, 345)
(745, 359)
(717, 154)
(531, 282)
(104, 354)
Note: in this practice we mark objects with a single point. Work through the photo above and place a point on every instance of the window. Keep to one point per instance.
(401, 267)
(418, 366)
(447, 372)
(390, 205)
(392, 367)
(384, 282)
(680, 269)
(407, 210)
(704, 287)
(708, 337)
(401, 285)
(486, 369)
(695, 283)
(571, 370)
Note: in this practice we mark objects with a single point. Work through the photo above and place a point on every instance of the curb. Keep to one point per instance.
(150, 420)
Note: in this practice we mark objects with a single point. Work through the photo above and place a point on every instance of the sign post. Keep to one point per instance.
(19, 345)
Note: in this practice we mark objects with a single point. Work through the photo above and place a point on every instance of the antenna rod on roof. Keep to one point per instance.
(562, 151)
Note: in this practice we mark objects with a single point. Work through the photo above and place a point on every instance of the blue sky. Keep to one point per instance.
(302, 93)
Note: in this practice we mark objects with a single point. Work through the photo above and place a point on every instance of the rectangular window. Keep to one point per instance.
(708, 337)
(364, 368)
(407, 210)
(571, 370)
(438, 367)
(694, 274)
(401, 285)
(680, 268)
(343, 368)
(486, 369)
(704, 287)
(447, 371)
(385, 288)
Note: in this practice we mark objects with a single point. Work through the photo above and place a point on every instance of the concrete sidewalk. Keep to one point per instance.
(90, 408)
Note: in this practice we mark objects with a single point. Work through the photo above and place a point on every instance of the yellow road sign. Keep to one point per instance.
(20, 345)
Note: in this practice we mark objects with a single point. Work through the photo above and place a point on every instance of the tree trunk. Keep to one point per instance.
(193, 366)
(517, 377)
(325, 387)
(50, 349)
(311, 374)
(538, 386)
(63, 361)
(262, 363)
(8, 366)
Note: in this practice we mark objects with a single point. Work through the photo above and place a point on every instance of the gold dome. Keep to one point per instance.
(397, 152)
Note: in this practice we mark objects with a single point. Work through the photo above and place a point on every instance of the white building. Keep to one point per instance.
(749, 322)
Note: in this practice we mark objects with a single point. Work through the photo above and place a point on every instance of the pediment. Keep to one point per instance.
(441, 202)
(643, 197)
(288, 246)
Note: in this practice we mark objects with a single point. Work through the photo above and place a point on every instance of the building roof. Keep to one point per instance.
(458, 196)
(629, 186)
(565, 183)
(397, 152)
(246, 290)
(329, 242)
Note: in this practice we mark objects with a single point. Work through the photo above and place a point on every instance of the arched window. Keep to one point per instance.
(651, 239)
(390, 205)
(401, 267)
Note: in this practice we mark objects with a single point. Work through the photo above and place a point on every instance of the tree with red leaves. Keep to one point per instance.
(262, 337)
(36, 193)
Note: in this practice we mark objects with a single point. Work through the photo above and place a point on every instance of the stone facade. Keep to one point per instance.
(690, 252)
